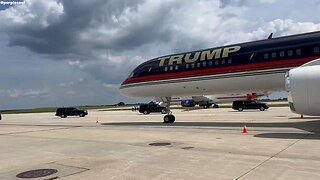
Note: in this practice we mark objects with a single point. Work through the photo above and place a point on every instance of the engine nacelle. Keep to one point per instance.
(303, 87)
(188, 103)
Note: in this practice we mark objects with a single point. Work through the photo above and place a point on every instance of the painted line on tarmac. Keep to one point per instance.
(41, 130)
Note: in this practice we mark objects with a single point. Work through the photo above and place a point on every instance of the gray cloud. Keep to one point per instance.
(225, 3)
(16, 93)
(94, 33)
(110, 70)
(58, 27)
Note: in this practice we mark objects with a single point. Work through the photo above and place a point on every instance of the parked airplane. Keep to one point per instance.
(261, 66)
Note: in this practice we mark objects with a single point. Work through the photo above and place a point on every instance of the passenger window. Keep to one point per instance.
(316, 50)
(204, 64)
(298, 52)
(229, 60)
(281, 53)
(166, 69)
(210, 63)
(171, 68)
(187, 66)
(252, 56)
(192, 65)
(290, 53)
(274, 55)
(198, 64)
(223, 61)
(177, 67)
(266, 56)
(216, 62)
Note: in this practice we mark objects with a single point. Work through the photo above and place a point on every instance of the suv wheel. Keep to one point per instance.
(145, 112)
(81, 115)
(216, 106)
(63, 116)
(240, 109)
(262, 108)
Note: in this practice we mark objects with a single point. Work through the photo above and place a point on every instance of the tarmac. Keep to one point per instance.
(201, 144)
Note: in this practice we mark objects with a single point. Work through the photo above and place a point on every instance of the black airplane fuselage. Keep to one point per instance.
(276, 55)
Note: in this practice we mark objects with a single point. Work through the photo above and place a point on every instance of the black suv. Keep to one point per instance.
(148, 108)
(241, 105)
(70, 111)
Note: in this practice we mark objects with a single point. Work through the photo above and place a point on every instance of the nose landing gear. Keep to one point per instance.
(169, 118)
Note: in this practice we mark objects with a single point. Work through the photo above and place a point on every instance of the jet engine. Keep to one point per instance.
(188, 103)
(303, 87)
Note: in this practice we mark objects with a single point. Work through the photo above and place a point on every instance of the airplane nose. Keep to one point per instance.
(128, 89)
(124, 82)
(124, 91)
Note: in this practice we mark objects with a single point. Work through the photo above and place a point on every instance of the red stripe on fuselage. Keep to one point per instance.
(223, 70)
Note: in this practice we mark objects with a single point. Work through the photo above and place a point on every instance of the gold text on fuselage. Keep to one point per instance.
(200, 55)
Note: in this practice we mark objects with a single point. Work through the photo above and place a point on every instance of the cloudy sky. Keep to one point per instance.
(63, 52)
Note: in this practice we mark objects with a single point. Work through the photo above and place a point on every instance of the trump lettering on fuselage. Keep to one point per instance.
(198, 56)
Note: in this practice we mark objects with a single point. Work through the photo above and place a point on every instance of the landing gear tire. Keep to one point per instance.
(169, 119)
(166, 119)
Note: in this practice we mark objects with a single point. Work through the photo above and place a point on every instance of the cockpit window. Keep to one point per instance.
(147, 68)
(131, 75)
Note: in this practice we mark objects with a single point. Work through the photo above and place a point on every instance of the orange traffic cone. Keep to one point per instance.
(244, 130)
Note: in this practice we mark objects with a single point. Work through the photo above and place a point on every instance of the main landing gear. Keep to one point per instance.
(169, 118)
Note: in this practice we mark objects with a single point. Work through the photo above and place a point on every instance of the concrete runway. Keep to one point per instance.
(201, 144)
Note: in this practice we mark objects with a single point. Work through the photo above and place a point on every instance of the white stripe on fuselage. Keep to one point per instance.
(226, 75)
(241, 82)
